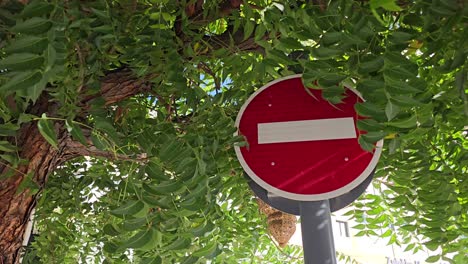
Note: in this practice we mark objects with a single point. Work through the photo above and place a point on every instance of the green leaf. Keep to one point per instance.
(154, 170)
(5, 146)
(365, 145)
(184, 212)
(171, 224)
(330, 38)
(395, 88)
(36, 9)
(129, 208)
(372, 65)
(459, 58)
(154, 260)
(33, 26)
(387, 233)
(139, 240)
(178, 244)
(394, 145)
(442, 11)
(290, 43)
(332, 79)
(397, 60)
(165, 188)
(359, 227)
(51, 55)
(46, 128)
(156, 239)
(260, 32)
(199, 191)
(369, 125)
(153, 201)
(432, 245)
(333, 94)
(75, 132)
(389, 5)
(33, 92)
(279, 57)
(201, 166)
(134, 224)
(409, 247)
(249, 27)
(370, 110)
(374, 136)
(190, 260)
(433, 259)
(100, 14)
(111, 230)
(25, 118)
(21, 61)
(370, 85)
(353, 39)
(104, 29)
(11, 159)
(399, 37)
(206, 251)
(391, 110)
(32, 44)
(460, 78)
(202, 229)
(326, 53)
(98, 141)
(106, 126)
(405, 101)
(409, 122)
(111, 247)
(168, 17)
(8, 129)
(361, 233)
(171, 150)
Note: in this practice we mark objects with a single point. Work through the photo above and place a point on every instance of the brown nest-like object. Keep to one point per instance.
(281, 225)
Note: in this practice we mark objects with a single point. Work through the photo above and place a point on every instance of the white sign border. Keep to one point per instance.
(294, 196)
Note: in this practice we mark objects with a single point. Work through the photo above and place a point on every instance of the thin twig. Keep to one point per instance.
(94, 152)
(209, 71)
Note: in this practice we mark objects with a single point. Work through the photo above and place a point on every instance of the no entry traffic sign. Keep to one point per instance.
(300, 146)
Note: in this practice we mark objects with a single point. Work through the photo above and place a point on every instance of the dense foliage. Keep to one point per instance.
(164, 185)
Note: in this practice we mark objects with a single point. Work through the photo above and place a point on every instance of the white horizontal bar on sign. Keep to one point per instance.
(306, 130)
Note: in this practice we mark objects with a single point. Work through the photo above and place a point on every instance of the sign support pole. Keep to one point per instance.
(317, 234)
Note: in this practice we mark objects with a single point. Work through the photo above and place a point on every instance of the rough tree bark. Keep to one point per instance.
(15, 209)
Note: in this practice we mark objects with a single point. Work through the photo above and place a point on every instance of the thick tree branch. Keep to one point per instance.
(117, 86)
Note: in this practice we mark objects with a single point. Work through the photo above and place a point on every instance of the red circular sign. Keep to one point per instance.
(300, 146)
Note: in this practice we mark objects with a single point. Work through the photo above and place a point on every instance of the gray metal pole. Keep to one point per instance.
(317, 234)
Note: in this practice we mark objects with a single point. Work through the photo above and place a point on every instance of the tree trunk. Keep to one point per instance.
(14, 213)
(42, 159)
(15, 209)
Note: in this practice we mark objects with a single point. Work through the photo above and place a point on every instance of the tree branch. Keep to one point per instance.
(229, 39)
(75, 149)
(209, 71)
(117, 86)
